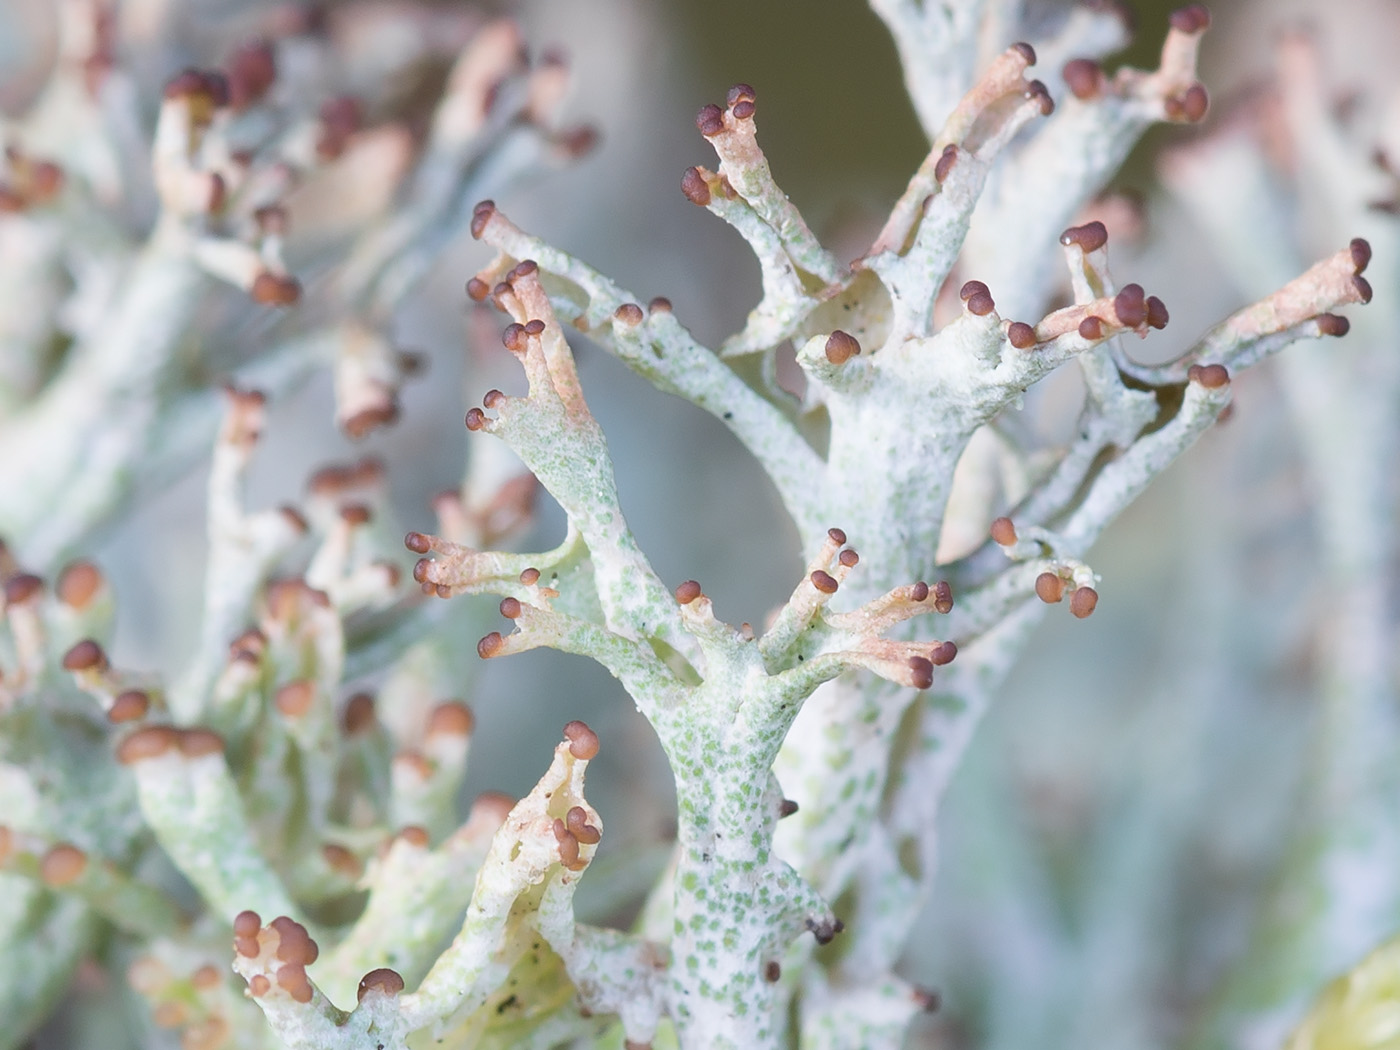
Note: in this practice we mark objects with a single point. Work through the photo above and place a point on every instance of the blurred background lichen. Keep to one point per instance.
(1176, 824)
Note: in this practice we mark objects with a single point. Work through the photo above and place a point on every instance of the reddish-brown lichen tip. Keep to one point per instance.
(1049, 588)
(787, 807)
(341, 860)
(1360, 254)
(451, 718)
(1195, 102)
(971, 288)
(86, 655)
(841, 347)
(629, 314)
(577, 821)
(980, 303)
(417, 543)
(1130, 305)
(1003, 532)
(1194, 18)
(1084, 78)
(944, 167)
(1090, 237)
(1038, 92)
(848, 558)
(481, 215)
(62, 865)
(355, 514)
(478, 290)
(198, 742)
(1212, 377)
(490, 645)
(382, 980)
(358, 714)
(583, 742)
(274, 289)
(294, 942)
(22, 587)
(1157, 316)
(294, 699)
(920, 672)
(943, 596)
(710, 120)
(688, 592)
(695, 188)
(1083, 601)
(836, 536)
(568, 845)
(247, 925)
(130, 705)
(514, 338)
(824, 581)
(78, 584)
(927, 1000)
(1020, 335)
(292, 979)
(530, 577)
(1091, 328)
(1332, 324)
(1025, 51)
(150, 742)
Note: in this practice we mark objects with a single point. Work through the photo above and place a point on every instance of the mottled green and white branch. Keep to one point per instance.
(148, 826)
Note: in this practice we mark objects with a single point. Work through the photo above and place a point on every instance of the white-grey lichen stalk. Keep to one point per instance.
(810, 753)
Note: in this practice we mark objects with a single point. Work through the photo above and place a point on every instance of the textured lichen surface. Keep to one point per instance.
(288, 802)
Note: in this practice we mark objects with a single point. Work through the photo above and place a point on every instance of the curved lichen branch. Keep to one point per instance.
(795, 634)
(458, 569)
(189, 798)
(634, 663)
(1074, 155)
(556, 436)
(1301, 309)
(243, 547)
(808, 643)
(520, 919)
(984, 119)
(1125, 398)
(1053, 569)
(654, 344)
(416, 891)
(734, 135)
(797, 271)
(544, 845)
